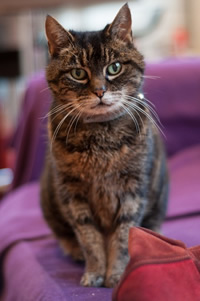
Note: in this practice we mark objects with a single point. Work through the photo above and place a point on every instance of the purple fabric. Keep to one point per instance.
(31, 250)
(33, 266)
(185, 229)
(43, 273)
(185, 183)
(174, 88)
(21, 209)
(30, 138)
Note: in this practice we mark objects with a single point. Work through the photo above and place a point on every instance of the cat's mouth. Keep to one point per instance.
(102, 104)
(103, 112)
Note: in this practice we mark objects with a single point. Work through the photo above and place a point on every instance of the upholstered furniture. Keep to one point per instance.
(32, 265)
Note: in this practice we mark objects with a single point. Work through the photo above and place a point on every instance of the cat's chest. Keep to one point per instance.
(98, 163)
(102, 172)
(98, 175)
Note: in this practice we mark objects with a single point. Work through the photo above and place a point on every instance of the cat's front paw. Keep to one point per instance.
(92, 279)
(112, 280)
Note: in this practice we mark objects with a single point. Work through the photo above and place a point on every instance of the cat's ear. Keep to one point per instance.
(57, 36)
(121, 26)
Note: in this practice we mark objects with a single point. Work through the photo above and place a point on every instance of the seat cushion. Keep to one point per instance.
(185, 229)
(183, 216)
(184, 168)
(34, 267)
(159, 269)
(26, 240)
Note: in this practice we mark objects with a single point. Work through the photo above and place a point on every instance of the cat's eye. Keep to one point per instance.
(79, 74)
(114, 69)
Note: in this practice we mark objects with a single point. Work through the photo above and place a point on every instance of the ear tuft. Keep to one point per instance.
(121, 26)
(57, 36)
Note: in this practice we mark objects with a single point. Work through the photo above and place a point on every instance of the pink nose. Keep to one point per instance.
(100, 92)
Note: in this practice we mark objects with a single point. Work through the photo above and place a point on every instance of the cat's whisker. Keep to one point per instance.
(146, 100)
(61, 112)
(151, 76)
(58, 109)
(53, 111)
(135, 110)
(45, 89)
(132, 117)
(60, 125)
(149, 102)
(73, 119)
(139, 99)
(134, 99)
(127, 103)
(80, 113)
(136, 107)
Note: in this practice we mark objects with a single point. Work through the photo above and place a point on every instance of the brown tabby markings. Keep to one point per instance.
(105, 170)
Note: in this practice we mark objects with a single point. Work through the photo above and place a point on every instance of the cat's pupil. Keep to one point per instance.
(79, 74)
(114, 68)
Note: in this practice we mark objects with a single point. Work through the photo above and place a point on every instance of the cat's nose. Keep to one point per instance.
(100, 91)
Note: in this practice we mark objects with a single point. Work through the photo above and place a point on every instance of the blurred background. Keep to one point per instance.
(162, 29)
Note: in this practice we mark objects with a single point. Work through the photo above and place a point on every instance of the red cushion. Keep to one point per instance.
(159, 269)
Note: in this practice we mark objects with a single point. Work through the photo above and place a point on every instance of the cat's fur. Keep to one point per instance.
(105, 169)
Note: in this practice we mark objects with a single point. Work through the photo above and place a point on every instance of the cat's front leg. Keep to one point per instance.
(91, 242)
(130, 214)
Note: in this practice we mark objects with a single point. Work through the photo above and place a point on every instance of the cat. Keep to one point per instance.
(105, 169)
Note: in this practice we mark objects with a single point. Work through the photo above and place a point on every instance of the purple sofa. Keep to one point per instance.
(32, 265)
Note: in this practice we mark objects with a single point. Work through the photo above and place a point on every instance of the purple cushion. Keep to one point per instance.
(34, 266)
(30, 139)
(185, 229)
(184, 170)
(174, 88)
(36, 270)
(175, 92)
(21, 216)
(32, 251)
(32, 257)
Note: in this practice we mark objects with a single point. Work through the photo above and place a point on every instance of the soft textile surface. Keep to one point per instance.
(36, 270)
(159, 269)
(32, 256)
(183, 217)
(33, 267)
(174, 87)
(21, 217)
(185, 183)
(30, 139)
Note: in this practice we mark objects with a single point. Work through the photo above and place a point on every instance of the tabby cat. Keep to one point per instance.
(105, 169)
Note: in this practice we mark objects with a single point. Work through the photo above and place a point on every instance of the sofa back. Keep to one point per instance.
(172, 85)
(174, 88)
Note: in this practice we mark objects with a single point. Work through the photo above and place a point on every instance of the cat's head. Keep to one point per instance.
(94, 74)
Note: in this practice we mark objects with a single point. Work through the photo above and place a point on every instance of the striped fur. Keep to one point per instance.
(105, 169)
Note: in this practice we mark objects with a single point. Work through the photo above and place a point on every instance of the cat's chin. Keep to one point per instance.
(109, 116)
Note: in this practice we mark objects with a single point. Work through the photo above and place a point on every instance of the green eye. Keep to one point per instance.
(114, 68)
(79, 74)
